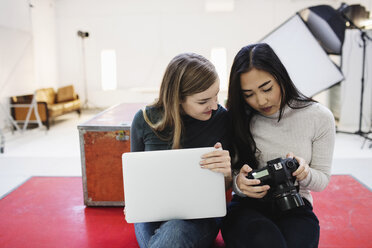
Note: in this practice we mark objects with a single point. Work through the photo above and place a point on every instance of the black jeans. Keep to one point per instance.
(256, 223)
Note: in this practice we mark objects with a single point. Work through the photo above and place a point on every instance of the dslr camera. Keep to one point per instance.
(278, 175)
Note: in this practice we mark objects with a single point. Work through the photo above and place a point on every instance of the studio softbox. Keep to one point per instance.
(327, 26)
(307, 63)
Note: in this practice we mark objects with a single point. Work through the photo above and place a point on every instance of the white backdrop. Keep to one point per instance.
(310, 68)
(147, 34)
(39, 46)
(351, 86)
(16, 48)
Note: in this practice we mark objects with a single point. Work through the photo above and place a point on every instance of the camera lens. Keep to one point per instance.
(290, 201)
(291, 164)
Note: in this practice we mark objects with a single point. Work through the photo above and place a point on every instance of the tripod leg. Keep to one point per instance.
(2, 141)
(364, 142)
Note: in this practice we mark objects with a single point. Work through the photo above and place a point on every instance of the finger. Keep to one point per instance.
(251, 192)
(221, 169)
(224, 171)
(245, 169)
(301, 177)
(300, 169)
(300, 160)
(219, 165)
(260, 195)
(223, 162)
(220, 159)
(304, 174)
(256, 189)
(290, 155)
(302, 164)
(216, 153)
(243, 182)
(248, 182)
(218, 145)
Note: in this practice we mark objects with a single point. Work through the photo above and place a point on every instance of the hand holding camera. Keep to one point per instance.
(303, 170)
(279, 176)
(250, 186)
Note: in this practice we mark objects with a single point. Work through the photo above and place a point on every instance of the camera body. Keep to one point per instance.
(278, 175)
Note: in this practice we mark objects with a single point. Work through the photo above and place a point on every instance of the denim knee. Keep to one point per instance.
(185, 233)
(144, 232)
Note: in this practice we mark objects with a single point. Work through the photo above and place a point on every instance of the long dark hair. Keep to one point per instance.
(261, 57)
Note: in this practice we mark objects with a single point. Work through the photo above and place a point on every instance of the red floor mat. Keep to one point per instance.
(344, 210)
(49, 212)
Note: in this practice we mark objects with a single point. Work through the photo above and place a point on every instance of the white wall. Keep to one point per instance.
(45, 43)
(16, 53)
(40, 47)
(147, 34)
(28, 59)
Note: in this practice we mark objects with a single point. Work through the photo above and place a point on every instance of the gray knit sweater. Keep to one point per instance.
(308, 133)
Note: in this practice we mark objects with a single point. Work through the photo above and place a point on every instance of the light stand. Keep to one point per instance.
(364, 38)
(84, 35)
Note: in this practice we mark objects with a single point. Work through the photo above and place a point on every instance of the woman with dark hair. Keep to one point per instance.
(186, 115)
(273, 119)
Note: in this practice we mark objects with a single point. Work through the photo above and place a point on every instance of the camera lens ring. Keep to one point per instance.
(291, 164)
(290, 201)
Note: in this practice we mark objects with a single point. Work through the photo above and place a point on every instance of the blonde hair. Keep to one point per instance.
(186, 74)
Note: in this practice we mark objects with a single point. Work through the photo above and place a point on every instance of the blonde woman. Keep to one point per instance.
(186, 115)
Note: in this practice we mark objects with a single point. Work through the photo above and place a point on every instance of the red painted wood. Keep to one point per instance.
(102, 153)
(103, 165)
(49, 212)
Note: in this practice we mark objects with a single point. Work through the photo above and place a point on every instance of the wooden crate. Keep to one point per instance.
(103, 140)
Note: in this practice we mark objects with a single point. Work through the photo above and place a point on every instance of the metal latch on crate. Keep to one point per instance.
(121, 136)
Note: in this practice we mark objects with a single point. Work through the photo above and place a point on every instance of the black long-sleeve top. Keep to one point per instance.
(195, 134)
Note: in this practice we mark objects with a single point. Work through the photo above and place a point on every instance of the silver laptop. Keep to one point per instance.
(165, 185)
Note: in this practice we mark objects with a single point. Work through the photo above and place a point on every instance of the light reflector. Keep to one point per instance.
(308, 65)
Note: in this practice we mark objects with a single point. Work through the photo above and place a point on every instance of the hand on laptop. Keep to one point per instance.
(218, 161)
